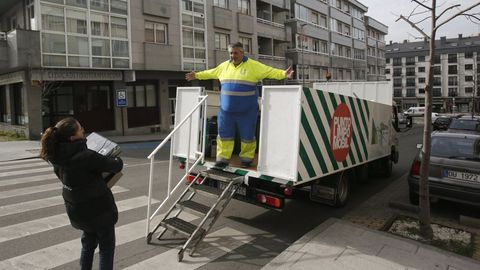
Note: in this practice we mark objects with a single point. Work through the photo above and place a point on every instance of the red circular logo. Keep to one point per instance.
(341, 132)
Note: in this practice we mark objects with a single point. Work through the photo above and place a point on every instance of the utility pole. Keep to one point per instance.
(474, 85)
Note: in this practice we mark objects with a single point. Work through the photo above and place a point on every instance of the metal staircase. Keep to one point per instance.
(208, 215)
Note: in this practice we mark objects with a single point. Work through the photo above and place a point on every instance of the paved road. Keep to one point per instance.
(35, 232)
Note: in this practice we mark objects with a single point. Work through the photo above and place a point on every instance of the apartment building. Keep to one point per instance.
(455, 73)
(75, 58)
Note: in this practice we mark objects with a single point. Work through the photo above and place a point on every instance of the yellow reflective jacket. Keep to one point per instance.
(238, 83)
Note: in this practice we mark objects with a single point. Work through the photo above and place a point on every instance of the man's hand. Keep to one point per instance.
(190, 76)
(289, 72)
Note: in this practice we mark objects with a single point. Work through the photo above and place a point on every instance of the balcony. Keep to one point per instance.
(271, 29)
(20, 48)
(274, 61)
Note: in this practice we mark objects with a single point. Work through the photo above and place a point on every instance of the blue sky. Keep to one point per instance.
(387, 11)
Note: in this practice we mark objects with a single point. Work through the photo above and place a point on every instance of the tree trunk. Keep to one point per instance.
(424, 215)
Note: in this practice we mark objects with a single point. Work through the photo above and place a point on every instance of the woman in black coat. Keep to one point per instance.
(89, 202)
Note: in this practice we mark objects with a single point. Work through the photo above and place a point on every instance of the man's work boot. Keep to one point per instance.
(221, 164)
(246, 164)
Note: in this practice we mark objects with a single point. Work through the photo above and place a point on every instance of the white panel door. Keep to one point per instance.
(279, 131)
(187, 99)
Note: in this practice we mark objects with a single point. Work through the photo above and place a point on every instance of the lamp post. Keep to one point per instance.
(302, 36)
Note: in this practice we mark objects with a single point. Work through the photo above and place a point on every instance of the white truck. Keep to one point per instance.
(317, 139)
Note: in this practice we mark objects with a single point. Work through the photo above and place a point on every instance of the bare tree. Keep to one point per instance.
(430, 13)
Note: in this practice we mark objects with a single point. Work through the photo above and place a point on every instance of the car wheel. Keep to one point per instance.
(413, 197)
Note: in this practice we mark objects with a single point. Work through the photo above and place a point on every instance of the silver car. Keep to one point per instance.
(454, 172)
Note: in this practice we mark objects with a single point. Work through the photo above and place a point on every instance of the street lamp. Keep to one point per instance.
(303, 49)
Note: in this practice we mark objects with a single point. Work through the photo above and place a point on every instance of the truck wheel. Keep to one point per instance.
(342, 190)
(413, 197)
(387, 166)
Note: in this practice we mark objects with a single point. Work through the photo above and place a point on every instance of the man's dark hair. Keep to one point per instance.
(237, 45)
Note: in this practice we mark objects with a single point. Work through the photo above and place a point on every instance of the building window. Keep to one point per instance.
(3, 104)
(468, 67)
(397, 72)
(194, 56)
(452, 69)
(387, 60)
(452, 58)
(410, 92)
(421, 69)
(468, 89)
(452, 80)
(53, 18)
(437, 70)
(397, 92)
(452, 92)
(397, 82)
(410, 61)
(221, 3)
(421, 90)
(156, 32)
(437, 59)
(143, 95)
(410, 82)
(469, 78)
(421, 80)
(244, 6)
(397, 61)
(437, 92)
(222, 41)
(387, 71)
(247, 44)
(76, 22)
(99, 24)
(119, 27)
(421, 58)
(410, 71)
(118, 6)
(437, 81)
(469, 55)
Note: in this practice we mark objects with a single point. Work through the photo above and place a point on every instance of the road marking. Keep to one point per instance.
(15, 173)
(56, 255)
(145, 164)
(52, 222)
(214, 246)
(26, 165)
(29, 190)
(28, 179)
(4, 163)
(42, 203)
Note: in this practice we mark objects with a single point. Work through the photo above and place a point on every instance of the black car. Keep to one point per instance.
(454, 171)
(442, 123)
(465, 124)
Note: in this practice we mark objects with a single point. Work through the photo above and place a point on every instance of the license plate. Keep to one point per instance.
(240, 191)
(470, 177)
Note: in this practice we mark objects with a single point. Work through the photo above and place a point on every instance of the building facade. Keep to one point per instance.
(63, 58)
(455, 73)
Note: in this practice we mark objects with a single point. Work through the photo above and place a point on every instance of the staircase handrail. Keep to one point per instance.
(188, 169)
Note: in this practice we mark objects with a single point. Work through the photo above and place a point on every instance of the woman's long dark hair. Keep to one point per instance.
(61, 132)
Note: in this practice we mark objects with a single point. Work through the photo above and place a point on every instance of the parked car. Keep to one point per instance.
(465, 124)
(454, 171)
(434, 116)
(442, 123)
(415, 111)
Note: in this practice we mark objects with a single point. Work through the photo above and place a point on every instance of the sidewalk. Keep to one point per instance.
(14, 150)
(339, 244)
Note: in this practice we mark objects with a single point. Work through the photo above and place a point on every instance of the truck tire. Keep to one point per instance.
(342, 190)
(386, 166)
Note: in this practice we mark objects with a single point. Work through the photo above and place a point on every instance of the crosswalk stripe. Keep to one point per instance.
(27, 179)
(213, 246)
(69, 251)
(29, 190)
(15, 231)
(41, 203)
(5, 163)
(15, 173)
(27, 165)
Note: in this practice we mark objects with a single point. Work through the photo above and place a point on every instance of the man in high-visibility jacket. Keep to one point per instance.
(238, 101)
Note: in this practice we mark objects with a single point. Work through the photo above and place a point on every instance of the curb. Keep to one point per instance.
(404, 206)
(469, 221)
